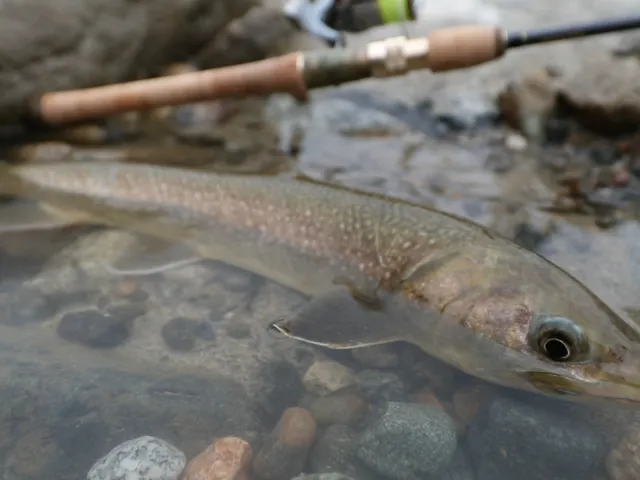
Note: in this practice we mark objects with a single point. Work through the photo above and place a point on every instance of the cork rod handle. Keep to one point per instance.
(465, 46)
(278, 74)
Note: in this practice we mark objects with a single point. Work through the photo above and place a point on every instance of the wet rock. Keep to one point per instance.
(341, 407)
(603, 95)
(377, 386)
(139, 459)
(95, 329)
(408, 442)
(285, 450)
(555, 445)
(181, 334)
(334, 452)
(73, 44)
(226, 459)
(378, 356)
(324, 377)
(623, 462)
(527, 105)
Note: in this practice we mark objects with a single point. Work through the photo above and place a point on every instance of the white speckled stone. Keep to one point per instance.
(143, 458)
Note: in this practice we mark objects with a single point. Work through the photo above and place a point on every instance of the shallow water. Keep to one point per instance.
(91, 360)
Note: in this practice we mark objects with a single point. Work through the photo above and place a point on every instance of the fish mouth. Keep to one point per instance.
(605, 385)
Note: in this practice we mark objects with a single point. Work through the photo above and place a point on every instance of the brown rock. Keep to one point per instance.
(285, 450)
(226, 459)
(427, 397)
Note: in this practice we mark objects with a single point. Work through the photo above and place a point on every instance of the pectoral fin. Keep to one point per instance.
(21, 216)
(338, 320)
(551, 383)
(149, 255)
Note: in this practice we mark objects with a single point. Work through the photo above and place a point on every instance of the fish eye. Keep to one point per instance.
(558, 338)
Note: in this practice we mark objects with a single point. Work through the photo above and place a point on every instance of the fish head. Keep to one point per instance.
(530, 325)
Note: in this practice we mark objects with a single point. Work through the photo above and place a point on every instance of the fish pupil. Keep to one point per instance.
(556, 348)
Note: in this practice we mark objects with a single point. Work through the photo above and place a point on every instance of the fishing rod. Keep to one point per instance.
(298, 72)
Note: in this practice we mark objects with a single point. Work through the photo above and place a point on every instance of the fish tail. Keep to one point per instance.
(19, 208)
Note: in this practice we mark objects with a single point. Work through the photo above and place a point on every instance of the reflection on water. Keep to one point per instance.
(172, 361)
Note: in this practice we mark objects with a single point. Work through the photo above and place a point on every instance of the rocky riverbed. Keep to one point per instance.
(173, 375)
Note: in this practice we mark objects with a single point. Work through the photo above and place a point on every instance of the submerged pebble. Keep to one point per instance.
(408, 442)
(377, 356)
(426, 397)
(284, 452)
(142, 458)
(460, 468)
(342, 407)
(376, 385)
(97, 329)
(334, 452)
(181, 334)
(326, 376)
(226, 459)
(468, 401)
(510, 437)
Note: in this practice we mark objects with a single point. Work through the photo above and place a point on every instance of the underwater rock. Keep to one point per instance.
(285, 450)
(324, 377)
(181, 334)
(376, 385)
(510, 437)
(377, 356)
(226, 459)
(140, 459)
(67, 416)
(334, 452)
(342, 407)
(408, 442)
(97, 329)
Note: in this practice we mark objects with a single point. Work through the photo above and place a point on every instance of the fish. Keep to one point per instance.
(375, 270)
